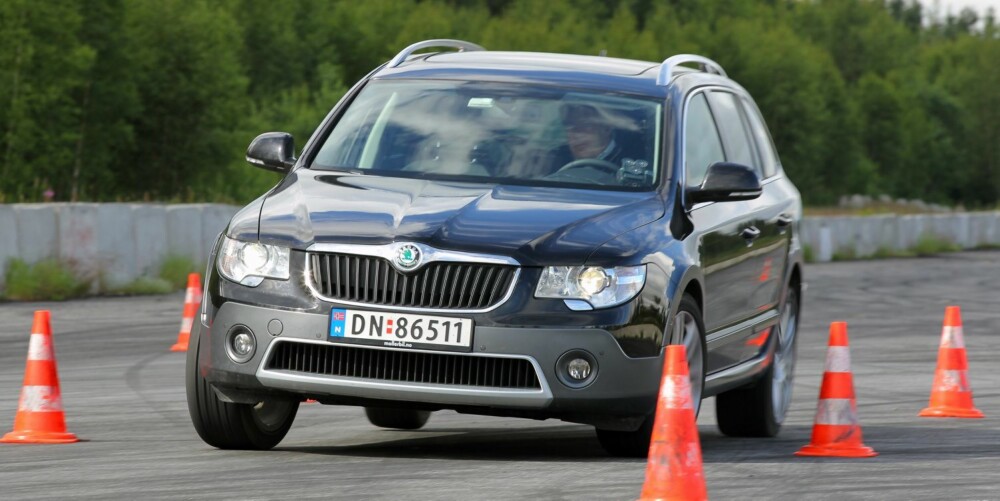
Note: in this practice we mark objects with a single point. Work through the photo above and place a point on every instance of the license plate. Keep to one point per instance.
(400, 330)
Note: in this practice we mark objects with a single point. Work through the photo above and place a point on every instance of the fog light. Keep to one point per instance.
(241, 344)
(578, 369)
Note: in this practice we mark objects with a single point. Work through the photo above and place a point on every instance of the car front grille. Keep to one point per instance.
(439, 285)
(404, 366)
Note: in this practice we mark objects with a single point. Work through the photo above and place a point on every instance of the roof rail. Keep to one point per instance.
(704, 64)
(462, 46)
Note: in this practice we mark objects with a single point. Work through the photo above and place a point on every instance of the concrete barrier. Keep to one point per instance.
(37, 235)
(113, 243)
(117, 243)
(865, 236)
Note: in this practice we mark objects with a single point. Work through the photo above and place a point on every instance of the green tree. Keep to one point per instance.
(108, 102)
(43, 68)
(192, 89)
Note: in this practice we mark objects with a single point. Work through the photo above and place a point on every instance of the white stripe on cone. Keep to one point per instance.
(186, 324)
(40, 347)
(39, 399)
(189, 296)
(838, 359)
(952, 381)
(951, 337)
(836, 411)
(675, 392)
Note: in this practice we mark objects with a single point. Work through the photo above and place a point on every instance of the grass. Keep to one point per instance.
(930, 244)
(53, 280)
(846, 254)
(46, 280)
(144, 286)
(808, 255)
(986, 246)
(175, 270)
(887, 253)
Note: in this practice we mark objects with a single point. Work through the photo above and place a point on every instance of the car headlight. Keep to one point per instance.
(249, 263)
(600, 287)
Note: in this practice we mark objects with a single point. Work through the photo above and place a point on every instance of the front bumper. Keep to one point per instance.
(623, 386)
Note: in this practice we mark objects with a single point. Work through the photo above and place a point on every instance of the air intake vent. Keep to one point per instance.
(404, 366)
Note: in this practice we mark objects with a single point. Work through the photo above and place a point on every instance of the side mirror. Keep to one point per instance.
(726, 182)
(274, 151)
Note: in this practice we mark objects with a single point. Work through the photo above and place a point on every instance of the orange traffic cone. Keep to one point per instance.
(40, 418)
(950, 394)
(192, 301)
(673, 470)
(836, 431)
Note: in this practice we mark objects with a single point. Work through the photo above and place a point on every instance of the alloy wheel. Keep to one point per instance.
(686, 330)
(784, 358)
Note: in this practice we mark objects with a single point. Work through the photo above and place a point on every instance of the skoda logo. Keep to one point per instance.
(408, 257)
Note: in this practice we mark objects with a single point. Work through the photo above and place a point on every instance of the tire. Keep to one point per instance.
(689, 329)
(234, 426)
(759, 410)
(400, 419)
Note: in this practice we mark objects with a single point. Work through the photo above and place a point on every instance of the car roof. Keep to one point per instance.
(588, 72)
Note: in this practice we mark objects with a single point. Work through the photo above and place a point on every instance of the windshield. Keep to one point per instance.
(497, 133)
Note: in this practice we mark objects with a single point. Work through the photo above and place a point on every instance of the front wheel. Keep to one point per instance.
(688, 329)
(226, 425)
(759, 410)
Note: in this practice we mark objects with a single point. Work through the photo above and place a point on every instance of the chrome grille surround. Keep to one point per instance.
(446, 281)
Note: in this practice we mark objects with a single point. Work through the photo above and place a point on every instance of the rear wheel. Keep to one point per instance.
(227, 425)
(688, 329)
(759, 410)
(400, 419)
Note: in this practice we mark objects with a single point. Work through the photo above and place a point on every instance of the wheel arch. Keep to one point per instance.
(690, 283)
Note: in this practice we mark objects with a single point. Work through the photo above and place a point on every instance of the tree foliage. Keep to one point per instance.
(143, 100)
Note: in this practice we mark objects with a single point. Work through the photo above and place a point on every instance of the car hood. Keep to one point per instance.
(535, 225)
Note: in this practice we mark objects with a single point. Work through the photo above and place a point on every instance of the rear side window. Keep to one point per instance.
(768, 158)
(739, 148)
(702, 146)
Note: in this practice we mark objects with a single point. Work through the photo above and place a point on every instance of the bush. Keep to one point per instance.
(175, 269)
(47, 280)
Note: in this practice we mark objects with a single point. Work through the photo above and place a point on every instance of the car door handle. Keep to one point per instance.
(785, 220)
(750, 234)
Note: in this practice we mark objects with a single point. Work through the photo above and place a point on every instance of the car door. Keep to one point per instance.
(765, 223)
(775, 208)
(717, 233)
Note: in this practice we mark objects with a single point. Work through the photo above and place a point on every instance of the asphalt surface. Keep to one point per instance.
(124, 395)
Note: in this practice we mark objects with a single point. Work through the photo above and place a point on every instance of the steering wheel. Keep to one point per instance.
(602, 165)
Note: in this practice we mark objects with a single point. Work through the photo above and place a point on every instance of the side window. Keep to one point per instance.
(739, 147)
(765, 146)
(702, 146)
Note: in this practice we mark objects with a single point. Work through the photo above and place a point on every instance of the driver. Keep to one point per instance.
(589, 134)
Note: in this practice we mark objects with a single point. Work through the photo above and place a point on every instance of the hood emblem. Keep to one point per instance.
(408, 257)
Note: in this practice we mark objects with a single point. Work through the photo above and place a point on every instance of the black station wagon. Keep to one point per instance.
(512, 234)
